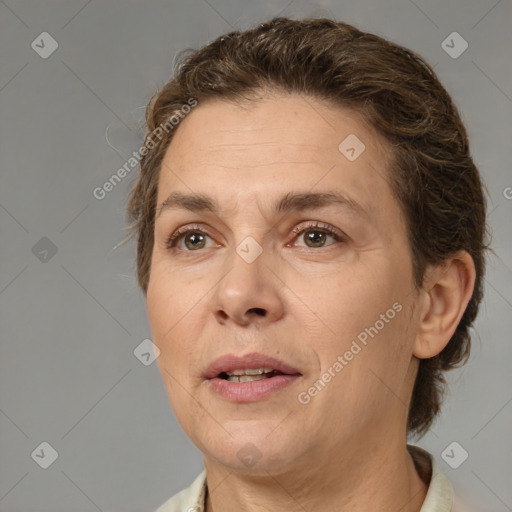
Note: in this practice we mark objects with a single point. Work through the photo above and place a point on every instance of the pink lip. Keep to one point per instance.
(249, 391)
(230, 362)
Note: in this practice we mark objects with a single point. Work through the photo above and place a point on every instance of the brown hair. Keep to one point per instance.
(433, 175)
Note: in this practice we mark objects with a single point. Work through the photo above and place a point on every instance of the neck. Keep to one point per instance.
(377, 478)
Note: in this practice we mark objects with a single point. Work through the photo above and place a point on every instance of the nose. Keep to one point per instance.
(249, 293)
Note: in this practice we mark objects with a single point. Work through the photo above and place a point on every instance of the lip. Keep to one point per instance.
(249, 391)
(231, 362)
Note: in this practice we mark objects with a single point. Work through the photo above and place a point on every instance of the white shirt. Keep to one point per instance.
(439, 498)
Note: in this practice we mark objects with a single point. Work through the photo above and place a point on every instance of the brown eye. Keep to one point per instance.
(193, 239)
(316, 235)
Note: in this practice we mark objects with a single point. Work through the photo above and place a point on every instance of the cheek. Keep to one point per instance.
(157, 307)
(174, 310)
(365, 312)
(163, 311)
(162, 305)
(355, 301)
(168, 300)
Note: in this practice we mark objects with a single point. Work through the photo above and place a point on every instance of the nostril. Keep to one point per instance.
(258, 311)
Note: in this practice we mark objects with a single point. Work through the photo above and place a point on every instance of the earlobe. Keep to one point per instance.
(445, 295)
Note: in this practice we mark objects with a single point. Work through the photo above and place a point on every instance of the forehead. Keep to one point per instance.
(277, 143)
(284, 125)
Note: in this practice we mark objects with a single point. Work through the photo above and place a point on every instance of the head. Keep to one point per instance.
(267, 117)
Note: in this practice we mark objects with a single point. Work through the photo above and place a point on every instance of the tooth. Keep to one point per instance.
(247, 378)
(250, 371)
(250, 378)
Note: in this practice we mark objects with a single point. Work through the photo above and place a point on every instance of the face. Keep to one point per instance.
(295, 259)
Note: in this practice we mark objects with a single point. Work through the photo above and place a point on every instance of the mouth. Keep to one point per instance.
(247, 368)
(249, 378)
(249, 375)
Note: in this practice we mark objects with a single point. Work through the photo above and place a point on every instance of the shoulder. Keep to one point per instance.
(190, 499)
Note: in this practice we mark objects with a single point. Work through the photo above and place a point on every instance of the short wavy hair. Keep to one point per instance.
(432, 175)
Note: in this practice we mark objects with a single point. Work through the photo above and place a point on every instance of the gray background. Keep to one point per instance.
(70, 321)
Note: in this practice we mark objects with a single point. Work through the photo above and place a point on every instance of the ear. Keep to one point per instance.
(443, 299)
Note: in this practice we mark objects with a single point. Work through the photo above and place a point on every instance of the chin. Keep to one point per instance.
(252, 461)
(255, 451)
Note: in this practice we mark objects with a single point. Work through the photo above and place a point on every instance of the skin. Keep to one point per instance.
(346, 448)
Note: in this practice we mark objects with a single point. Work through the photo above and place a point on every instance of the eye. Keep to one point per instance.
(193, 237)
(315, 234)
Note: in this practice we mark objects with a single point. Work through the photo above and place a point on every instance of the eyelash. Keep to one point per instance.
(316, 226)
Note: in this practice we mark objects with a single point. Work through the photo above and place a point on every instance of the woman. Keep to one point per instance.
(310, 231)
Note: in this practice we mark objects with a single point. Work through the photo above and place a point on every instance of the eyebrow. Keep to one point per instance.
(289, 202)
